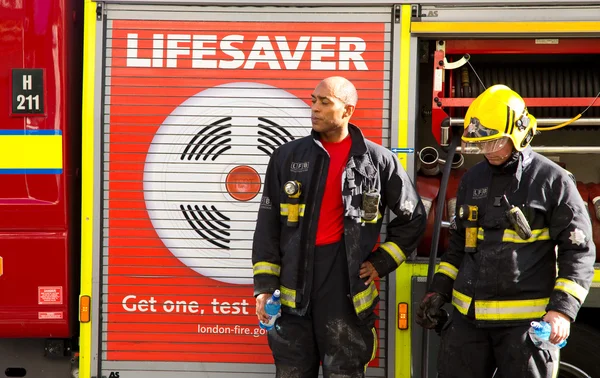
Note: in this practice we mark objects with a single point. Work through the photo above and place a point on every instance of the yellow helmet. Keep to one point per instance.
(496, 116)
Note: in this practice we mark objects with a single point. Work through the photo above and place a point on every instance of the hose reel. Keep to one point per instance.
(555, 80)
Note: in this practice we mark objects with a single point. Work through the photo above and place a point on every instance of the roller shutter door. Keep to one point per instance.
(196, 98)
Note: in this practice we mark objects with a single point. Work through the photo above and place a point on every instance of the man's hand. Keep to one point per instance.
(368, 270)
(561, 326)
(261, 301)
(430, 310)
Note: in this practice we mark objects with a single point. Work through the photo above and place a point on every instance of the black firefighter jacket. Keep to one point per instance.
(282, 254)
(509, 280)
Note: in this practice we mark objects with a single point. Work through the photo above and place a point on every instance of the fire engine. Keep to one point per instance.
(136, 135)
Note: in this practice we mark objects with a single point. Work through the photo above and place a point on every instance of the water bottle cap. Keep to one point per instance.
(276, 293)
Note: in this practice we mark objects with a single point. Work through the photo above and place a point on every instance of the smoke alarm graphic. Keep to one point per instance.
(204, 171)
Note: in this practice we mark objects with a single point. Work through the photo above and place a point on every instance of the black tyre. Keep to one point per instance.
(569, 371)
(581, 354)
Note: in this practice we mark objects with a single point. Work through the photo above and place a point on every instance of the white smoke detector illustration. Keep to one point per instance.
(205, 169)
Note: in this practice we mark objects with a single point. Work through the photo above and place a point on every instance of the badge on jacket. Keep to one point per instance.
(577, 237)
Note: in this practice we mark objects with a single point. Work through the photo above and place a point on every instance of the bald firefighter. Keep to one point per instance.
(520, 250)
(319, 220)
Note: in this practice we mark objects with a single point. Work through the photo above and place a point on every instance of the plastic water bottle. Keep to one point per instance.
(272, 308)
(541, 330)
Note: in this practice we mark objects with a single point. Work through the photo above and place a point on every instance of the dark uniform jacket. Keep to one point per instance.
(509, 280)
(282, 251)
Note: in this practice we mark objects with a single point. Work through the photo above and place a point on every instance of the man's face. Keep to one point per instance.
(500, 156)
(328, 112)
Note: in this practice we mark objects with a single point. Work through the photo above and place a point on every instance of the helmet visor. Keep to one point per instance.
(475, 130)
(478, 139)
(485, 147)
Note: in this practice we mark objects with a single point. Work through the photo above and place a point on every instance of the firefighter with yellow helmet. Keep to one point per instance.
(520, 250)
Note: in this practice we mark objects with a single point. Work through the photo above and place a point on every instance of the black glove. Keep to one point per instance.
(430, 312)
(442, 319)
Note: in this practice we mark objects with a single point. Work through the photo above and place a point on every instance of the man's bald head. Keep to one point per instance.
(342, 89)
(333, 103)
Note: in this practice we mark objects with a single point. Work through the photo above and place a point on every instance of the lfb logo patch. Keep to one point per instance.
(299, 167)
(480, 193)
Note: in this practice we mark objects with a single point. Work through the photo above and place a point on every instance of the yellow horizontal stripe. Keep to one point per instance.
(501, 310)
(288, 297)
(284, 209)
(264, 267)
(287, 303)
(572, 288)
(509, 316)
(539, 27)
(448, 269)
(31, 152)
(513, 303)
(461, 296)
(461, 302)
(510, 309)
(394, 251)
(512, 236)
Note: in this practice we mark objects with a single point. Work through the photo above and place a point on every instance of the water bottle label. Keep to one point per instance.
(270, 323)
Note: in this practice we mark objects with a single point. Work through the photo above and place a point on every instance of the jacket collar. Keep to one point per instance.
(524, 161)
(359, 146)
(359, 158)
(525, 158)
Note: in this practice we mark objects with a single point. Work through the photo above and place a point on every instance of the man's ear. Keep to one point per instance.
(349, 110)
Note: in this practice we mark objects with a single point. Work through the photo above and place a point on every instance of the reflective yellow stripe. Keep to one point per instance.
(461, 302)
(88, 213)
(394, 251)
(30, 151)
(284, 210)
(519, 27)
(404, 78)
(501, 310)
(448, 269)
(375, 343)
(510, 310)
(364, 300)
(402, 362)
(288, 297)
(572, 288)
(511, 236)
(263, 267)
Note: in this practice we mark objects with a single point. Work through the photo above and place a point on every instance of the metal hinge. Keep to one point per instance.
(416, 12)
(99, 12)
(397, 14)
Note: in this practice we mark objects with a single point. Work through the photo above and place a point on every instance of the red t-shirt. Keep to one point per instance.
(331, 218)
